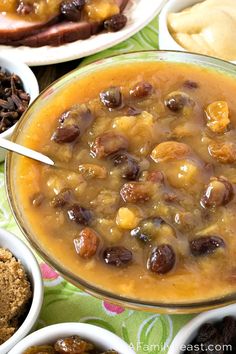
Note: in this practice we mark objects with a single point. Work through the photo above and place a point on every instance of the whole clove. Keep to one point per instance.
(13, 99)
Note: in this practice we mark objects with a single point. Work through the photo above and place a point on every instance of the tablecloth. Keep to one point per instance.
(146, 332)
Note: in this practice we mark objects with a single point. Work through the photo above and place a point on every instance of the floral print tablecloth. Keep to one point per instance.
(146, 332)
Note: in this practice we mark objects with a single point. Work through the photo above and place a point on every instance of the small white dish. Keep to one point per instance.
(139, 15)
(30, 86)
(96, 335)
(19, 249)
(190, 330)
(166, 41)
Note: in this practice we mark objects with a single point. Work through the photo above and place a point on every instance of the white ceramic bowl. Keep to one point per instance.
(28, 260)
(166, 41)
(30, 84)
(190, 330)
(98, 336)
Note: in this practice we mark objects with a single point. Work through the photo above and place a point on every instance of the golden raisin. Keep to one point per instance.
(218, 116)
(90, 170)
(223, 152)
(72, 345)
(170, 150)
(136, 192)
(87, 243)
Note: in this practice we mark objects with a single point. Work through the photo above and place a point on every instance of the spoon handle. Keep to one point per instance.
(22, 150)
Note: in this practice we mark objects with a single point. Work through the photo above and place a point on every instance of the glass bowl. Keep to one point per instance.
(43, 101)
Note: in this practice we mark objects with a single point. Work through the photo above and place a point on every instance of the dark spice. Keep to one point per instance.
(13, 99)
(115, 23)
(219, 338)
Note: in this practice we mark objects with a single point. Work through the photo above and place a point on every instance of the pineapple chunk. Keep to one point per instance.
(125, 123)
(182, 174)
(99, 10)
(55, 184)
(127, 218)
(139, 129)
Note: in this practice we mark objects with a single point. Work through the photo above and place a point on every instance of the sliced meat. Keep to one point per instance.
(58, 34)
(14, 29)
(38, 34)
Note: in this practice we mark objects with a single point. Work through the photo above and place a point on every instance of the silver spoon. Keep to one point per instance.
(24, 151)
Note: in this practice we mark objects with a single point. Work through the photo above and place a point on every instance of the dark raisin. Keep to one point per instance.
(133, 111)
(141, 90)
(78, 115)
(218, 192)
(71, 9)
(190, 84)
(66, 134)
(117, 256)
(128, 165)
(176, 101)
(206, 332)
(206, 245)
(162, 259)
(108, 143)
(111, 97)
(213, 337)
(147, 229)
(134, 192)
(79, 214)
(63, 198)
(115, 23)
(228, 329)
(87, 243)
(72, 345)
(175, 104)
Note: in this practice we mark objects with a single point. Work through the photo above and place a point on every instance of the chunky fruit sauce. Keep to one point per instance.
(72, 10)
(146, 208)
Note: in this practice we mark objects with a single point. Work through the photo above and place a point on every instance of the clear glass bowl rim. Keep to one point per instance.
(150, 55)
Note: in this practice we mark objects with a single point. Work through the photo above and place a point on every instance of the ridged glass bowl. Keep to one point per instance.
(21, 217)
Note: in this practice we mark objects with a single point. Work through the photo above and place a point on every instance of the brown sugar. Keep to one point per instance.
(15, 294)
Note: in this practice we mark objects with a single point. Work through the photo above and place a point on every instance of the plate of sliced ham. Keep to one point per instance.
(57, 40)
